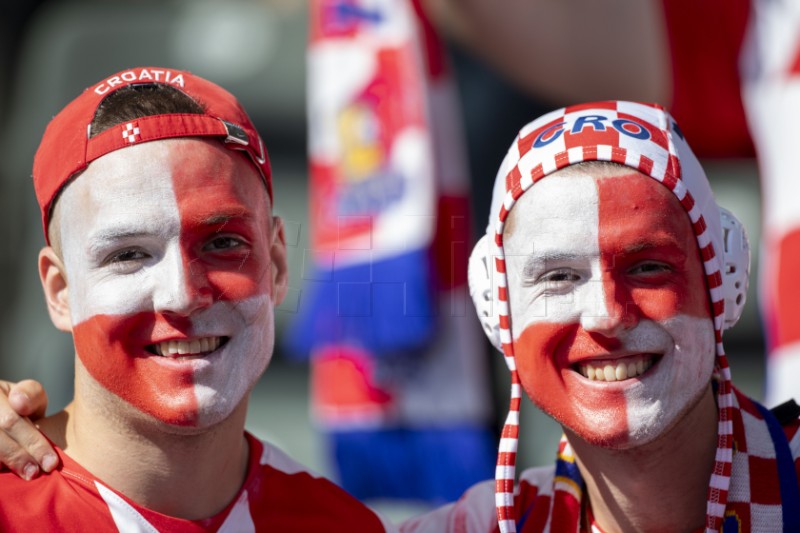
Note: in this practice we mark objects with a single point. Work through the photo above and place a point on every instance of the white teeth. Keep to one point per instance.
(193, 347)
(616, 371)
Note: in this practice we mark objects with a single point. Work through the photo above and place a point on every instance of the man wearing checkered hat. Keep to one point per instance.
(606, 278)
(165, 263)
(607, 286)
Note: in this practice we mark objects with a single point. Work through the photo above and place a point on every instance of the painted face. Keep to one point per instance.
(610, 315)
(168, 248)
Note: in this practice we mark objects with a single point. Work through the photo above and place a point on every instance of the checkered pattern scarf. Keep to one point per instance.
(763, 493)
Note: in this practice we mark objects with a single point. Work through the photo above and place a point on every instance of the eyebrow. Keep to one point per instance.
(535, 261)
(652, 244)
(97, 242)
(220, 219)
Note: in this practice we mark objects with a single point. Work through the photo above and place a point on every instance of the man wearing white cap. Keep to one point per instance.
(165, 263)
(607, 277)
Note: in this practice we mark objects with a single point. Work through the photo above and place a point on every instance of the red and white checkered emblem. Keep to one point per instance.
(131, 132)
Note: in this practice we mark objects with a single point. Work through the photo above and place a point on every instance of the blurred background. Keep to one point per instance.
(51, 50)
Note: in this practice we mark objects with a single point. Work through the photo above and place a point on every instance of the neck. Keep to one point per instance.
(674, 471)
(157, 468)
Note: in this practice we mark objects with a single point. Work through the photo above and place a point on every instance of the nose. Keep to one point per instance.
(609, 310)
(183, 285)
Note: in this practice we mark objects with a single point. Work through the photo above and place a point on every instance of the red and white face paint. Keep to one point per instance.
(167, 248)
(611, 321)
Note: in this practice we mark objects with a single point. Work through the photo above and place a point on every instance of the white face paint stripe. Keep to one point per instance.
(539, 227)
(108, 209)
(681, 376)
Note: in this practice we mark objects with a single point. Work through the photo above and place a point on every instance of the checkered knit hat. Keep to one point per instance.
(646, 138)
(67, 146)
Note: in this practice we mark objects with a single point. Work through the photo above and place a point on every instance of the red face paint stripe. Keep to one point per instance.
(165, 393)
(616, 197)
(242, 276)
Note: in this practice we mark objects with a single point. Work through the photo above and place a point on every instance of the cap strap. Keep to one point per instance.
(156, 127)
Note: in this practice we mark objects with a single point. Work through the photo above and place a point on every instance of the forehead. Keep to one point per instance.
(572, 208)
(143, 182)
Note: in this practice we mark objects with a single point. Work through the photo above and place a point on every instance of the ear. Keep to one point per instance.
(56, 292)
(280, 270)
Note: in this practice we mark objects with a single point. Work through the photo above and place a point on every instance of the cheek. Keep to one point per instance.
(111, 349)
(250, 280)
(542, 354)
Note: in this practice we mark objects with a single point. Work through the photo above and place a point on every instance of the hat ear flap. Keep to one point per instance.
(735, 268)
(479, 277)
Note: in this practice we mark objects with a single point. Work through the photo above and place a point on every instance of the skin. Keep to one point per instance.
(22, 447)
(147, 258)
(625, 56)
(152, 260)
(606, 270)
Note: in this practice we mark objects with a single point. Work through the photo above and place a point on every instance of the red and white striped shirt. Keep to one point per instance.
(278, 494)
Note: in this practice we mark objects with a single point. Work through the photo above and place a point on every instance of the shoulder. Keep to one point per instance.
(65, 500)
(475, 511)
(284, 495)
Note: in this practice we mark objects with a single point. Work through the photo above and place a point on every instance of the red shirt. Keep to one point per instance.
(278, 494)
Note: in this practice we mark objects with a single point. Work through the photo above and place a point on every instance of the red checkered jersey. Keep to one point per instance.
(279, 494)
(549, 498)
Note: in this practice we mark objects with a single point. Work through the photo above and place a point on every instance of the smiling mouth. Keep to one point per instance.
(616, 370)
(180, 349)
